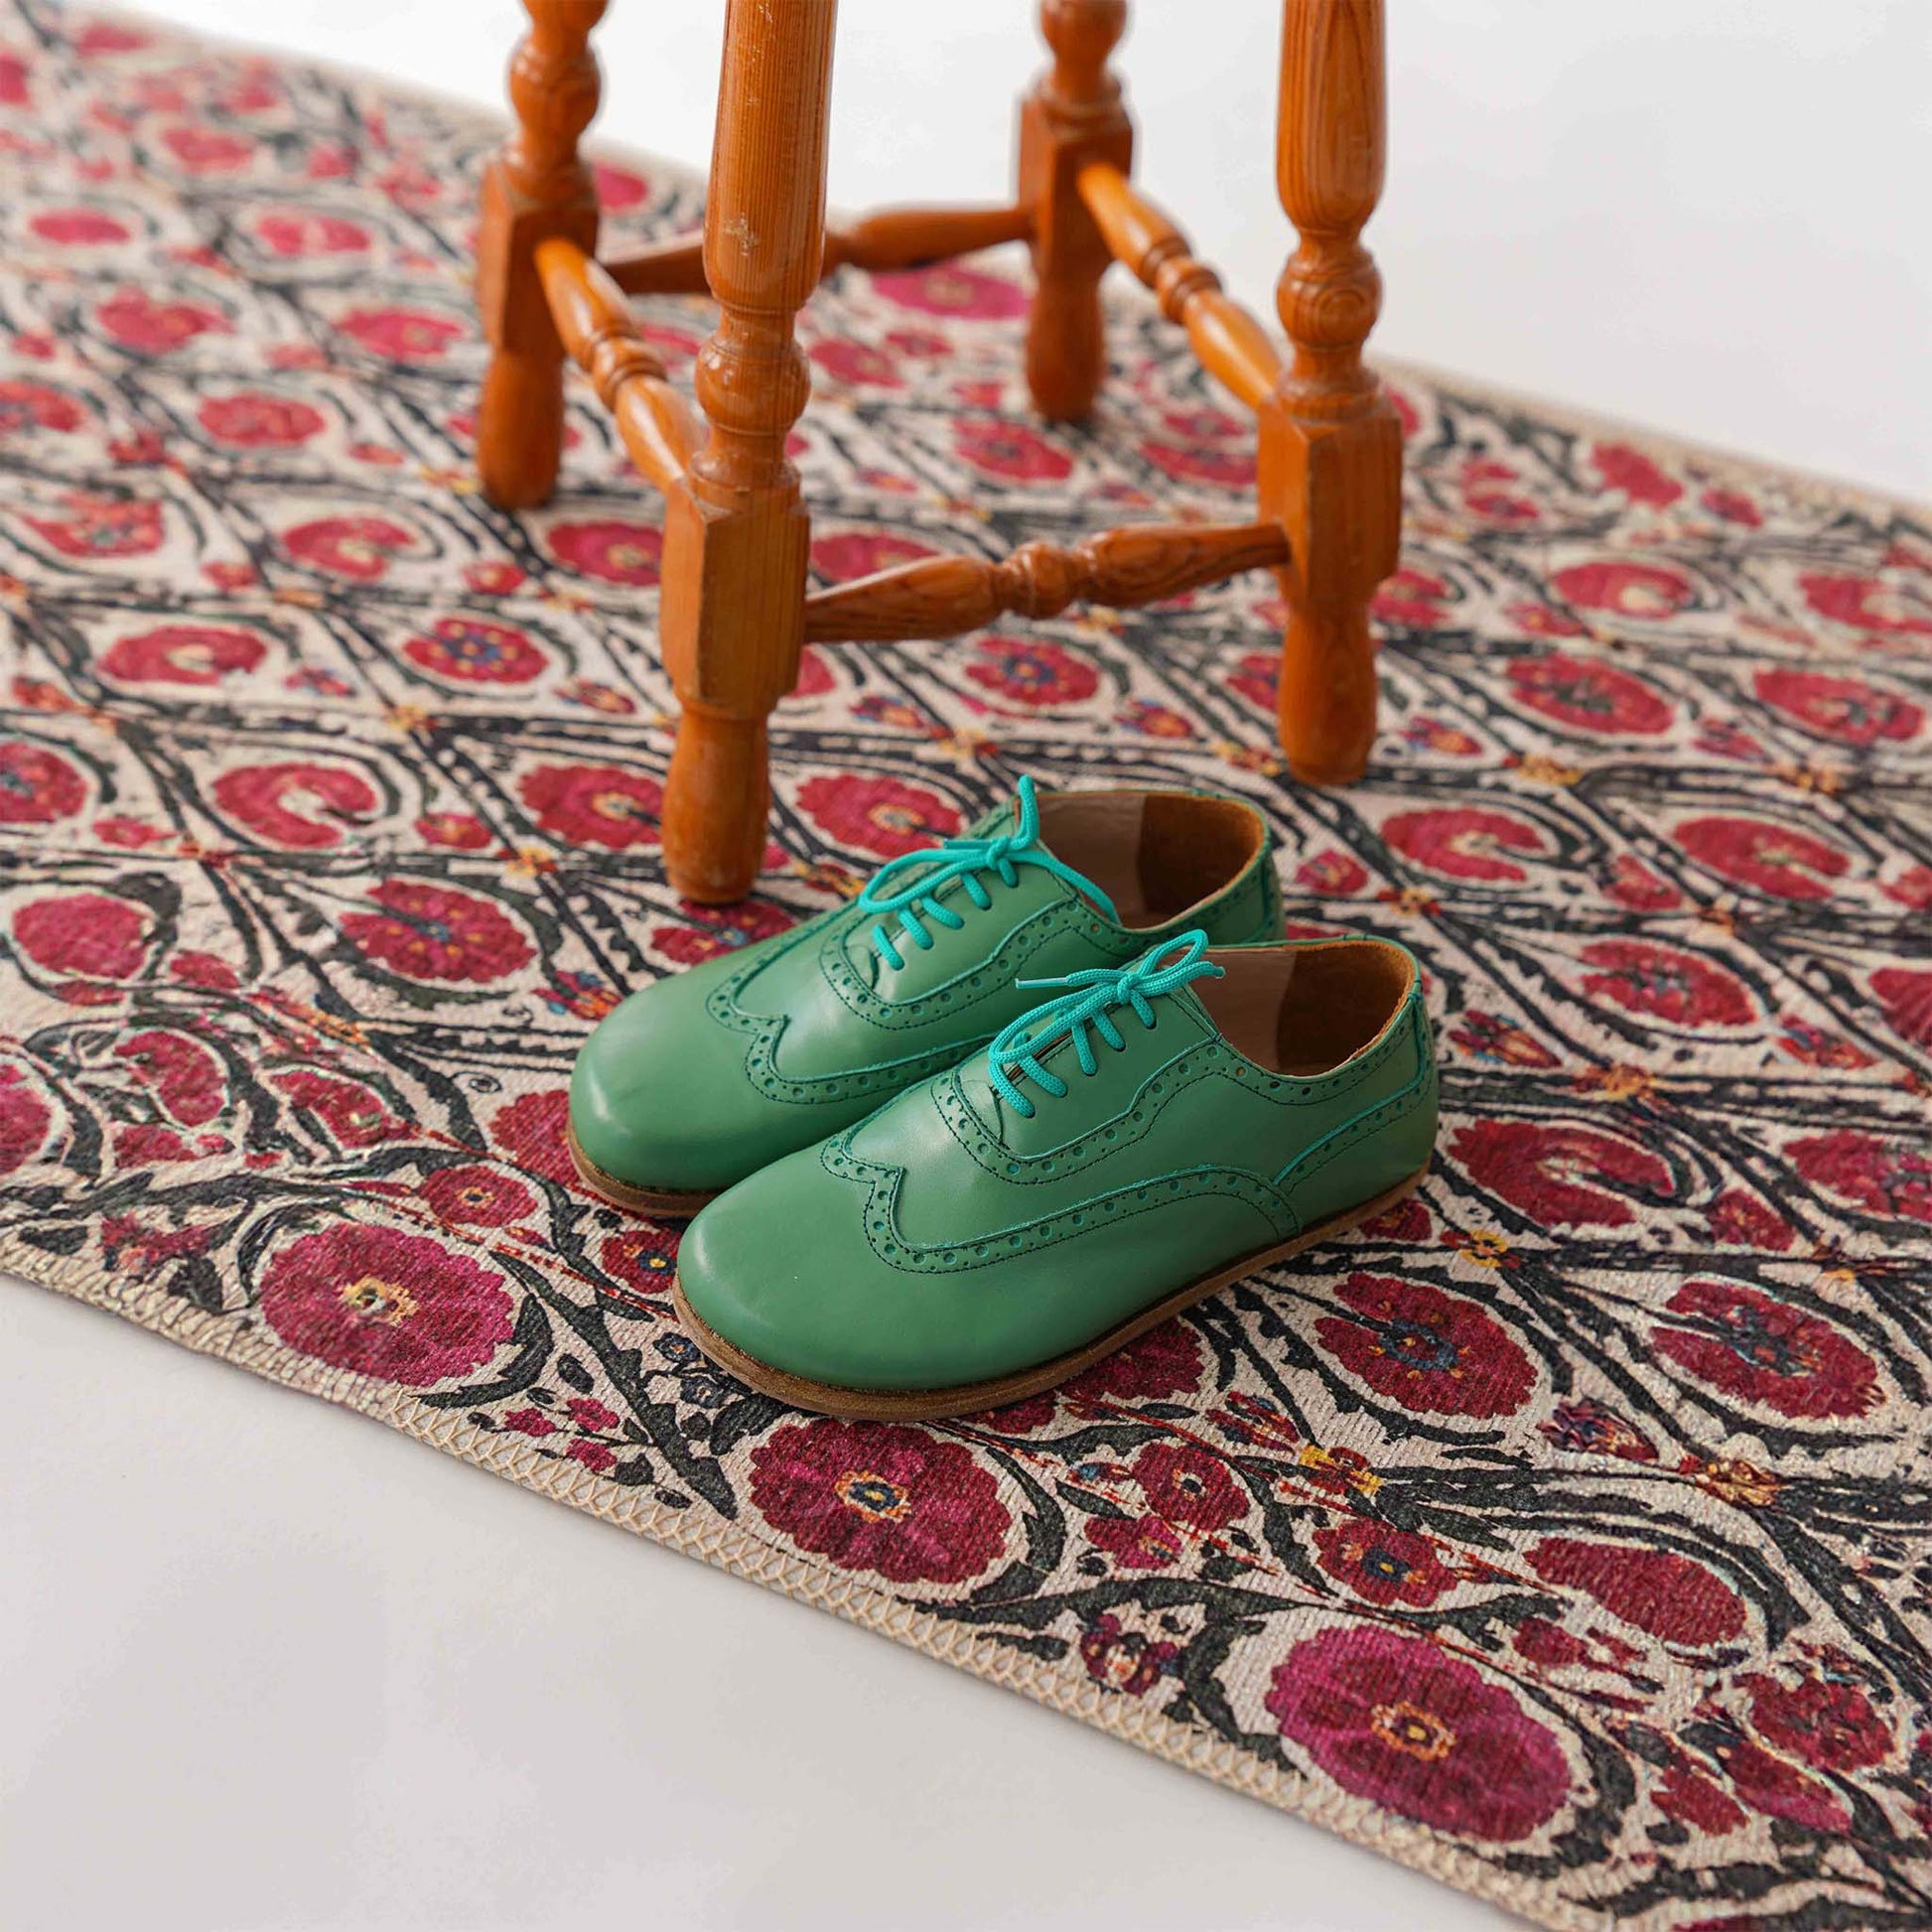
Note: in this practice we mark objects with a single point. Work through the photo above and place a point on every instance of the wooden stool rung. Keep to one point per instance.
(674, 266)
(736, 604)
(597, 328)
(879, 244)
(939, 597)
(1232, 345)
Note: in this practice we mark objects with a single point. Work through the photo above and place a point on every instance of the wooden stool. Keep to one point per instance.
(735, 607)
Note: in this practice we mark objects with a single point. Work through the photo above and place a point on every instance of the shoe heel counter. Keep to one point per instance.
(1250, 913)
(1412, 1138)
(1391, 1139)
(1274, 917)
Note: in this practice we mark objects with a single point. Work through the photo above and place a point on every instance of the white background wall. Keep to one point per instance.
(1712, 217)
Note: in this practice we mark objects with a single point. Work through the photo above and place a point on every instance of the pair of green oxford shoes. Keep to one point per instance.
(921, 1189)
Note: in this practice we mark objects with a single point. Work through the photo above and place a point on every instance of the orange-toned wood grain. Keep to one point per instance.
(938, 597)
(1233, 347)
(600, 334)
(1072, 118)
(734, 610)
(1330, 457)
(673, 266)
(909, 238)
(536, 189)
(731, 615)
(886, 239)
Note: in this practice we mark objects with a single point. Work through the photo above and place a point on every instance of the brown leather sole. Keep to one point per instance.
(670, 1202)
(968, 1397)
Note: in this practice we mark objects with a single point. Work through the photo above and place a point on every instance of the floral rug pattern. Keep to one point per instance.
(1568, 1534)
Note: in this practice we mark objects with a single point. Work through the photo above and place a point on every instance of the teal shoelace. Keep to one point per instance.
(910, 885)
(1096, 992)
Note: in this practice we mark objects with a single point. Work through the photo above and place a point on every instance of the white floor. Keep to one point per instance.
(267, 1665)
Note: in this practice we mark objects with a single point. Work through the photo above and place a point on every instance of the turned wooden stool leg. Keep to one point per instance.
(1073, 116)
(1330, 442)
(735, 532)
(535, 188)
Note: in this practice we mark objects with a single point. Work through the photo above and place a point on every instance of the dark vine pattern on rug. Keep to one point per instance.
(1577, 1512)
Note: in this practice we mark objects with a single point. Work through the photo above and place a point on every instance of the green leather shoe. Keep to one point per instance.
(701, 1079)
(1114, 1156)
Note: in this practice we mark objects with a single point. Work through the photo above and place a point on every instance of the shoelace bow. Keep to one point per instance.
(1096, 991)
(922, 876)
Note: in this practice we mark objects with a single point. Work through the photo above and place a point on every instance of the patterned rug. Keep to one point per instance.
(1568, 1536)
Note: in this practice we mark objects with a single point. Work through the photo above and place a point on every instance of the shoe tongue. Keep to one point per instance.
(1033, 890)
(1036, 887)
(1063, 1058)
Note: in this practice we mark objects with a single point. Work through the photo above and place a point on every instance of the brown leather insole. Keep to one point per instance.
(1305, 1010)
(1155, 855)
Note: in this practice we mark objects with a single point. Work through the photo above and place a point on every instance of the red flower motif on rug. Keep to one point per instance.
(183, 1074)
(23, 1120)
(1381, 1565)
(716, 930)
(351, 1113)
(478, 1196)
(356, 547)
(1412, 596)
(1590, 697)
(1848, 709)
(37, 787)
(397, 1307)
(1188, 1486)
(136, 322)
(1467, 842)
(467, 650)
(1776, 1787)
(639, 1264)
(80, 227)
(1741, 1341)
(1666, 982)
(1547, 1170)
(251, 420)
(594, 804)
(613, 552)
(842, 556)
(953, 290)
(100, 529)
(531, 1131)
(879, 816)
(400, 334)
(1431, 1352)
(871, 1496)
(1891, 1178)
(1649, 593)
(1868, 603)
(183, 654)
(1630, 470)
(1165, 1362)
(1397, 1720)
(437, 933)
(89, 934)
(1670, 1598)
(1031, 672)
(296, 804)
(1766, 856)
(1905, 993)
(29, 406)
(1012, 450)
(298, 234)
(1829, 1726)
